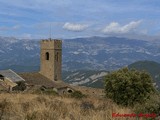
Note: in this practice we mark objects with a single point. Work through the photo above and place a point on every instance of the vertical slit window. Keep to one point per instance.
(47, 56)
(57, 56)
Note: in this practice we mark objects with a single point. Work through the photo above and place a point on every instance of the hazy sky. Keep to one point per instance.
(79, 18)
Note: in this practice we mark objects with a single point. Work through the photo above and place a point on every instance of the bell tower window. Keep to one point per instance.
(47, 55)
(56, 57)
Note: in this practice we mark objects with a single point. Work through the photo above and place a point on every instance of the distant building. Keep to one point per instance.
(8, 80)
(10, 74)
(51, 59)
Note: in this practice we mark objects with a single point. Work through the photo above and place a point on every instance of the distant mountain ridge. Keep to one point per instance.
(153, 68)
(92, 53)
(95, 79)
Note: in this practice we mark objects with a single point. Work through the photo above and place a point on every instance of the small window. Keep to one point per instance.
(56, 57)
(47, 56)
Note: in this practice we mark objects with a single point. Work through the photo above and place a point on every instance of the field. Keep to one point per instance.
(26, 106)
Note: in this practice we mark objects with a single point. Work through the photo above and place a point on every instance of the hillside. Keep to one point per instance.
(46, 107)
(95, 78)
(89, 78)
(151, 67)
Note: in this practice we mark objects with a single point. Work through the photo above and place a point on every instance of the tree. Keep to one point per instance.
(128, 87)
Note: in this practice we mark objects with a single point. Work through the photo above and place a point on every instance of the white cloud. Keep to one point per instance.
(74, 27)
(116, 28)
(4, 28)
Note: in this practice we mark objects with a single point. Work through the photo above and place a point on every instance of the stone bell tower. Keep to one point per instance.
(51, 59)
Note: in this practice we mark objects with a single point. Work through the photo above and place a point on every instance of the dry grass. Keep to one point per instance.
(44, 107)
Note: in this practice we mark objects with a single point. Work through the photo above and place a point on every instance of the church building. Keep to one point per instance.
(50, 74)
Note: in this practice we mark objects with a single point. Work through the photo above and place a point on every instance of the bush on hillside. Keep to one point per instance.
(152, 105)
(46, 92)
(77, 94)
(128, 87)
(21, 86)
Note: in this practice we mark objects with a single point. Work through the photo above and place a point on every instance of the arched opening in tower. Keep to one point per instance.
(47, 55)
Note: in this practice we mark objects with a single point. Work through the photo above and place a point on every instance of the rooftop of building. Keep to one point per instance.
(35, 78)
(14, 77)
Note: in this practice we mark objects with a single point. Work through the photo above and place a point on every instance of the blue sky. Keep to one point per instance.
(79, 18)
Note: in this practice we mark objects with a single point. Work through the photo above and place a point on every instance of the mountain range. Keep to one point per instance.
(92, 53)
(85, 60)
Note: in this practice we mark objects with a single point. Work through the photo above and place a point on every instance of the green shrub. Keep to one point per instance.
(151, 105)
(50, 92)
(21, 86)
(46, 92)
(128, 87)
(77, 94)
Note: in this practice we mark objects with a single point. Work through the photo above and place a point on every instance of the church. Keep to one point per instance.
(50, 74)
